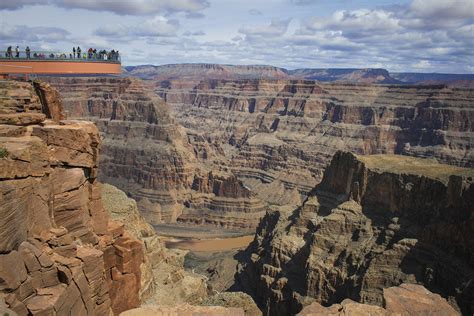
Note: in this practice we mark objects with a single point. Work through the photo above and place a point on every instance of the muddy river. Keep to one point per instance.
(213, 244)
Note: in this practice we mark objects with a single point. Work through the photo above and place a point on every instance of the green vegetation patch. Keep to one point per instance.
(3, 152)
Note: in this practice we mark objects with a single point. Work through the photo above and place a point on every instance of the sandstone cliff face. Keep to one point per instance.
(278, 135)
(373, 222)
(60, 253)
(149, 156)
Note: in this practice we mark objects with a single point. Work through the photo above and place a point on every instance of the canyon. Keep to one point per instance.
(360, 195)
(222, 152)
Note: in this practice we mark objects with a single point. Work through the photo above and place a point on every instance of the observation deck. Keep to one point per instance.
(55, 63)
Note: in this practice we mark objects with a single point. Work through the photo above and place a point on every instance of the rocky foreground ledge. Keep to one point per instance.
(406, 299)
(373, 222)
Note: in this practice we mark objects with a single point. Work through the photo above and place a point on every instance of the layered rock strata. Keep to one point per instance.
(60, 253)
(277, 136)
(222, 200)
(373, 222)
(149, 156)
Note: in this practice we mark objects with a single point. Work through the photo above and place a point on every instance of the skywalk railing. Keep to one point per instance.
(60, 56)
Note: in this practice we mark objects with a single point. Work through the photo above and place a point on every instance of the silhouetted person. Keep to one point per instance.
(17, 52)
(28, 52)
(78, 52)
(74, 52)
(9, 52)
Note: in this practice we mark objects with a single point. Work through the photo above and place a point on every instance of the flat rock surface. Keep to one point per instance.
(184, 310)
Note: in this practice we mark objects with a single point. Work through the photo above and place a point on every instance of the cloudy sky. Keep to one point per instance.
(405, 35)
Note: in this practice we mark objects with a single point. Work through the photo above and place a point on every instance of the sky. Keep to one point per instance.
(401, 36)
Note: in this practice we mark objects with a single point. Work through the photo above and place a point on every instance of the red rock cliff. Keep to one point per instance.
(60, 253)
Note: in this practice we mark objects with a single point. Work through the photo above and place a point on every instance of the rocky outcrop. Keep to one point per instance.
(278, 135)
(51, 101)
(60, 253)
(147, 154)
(163, 278)
(373, 222)
(406, 299)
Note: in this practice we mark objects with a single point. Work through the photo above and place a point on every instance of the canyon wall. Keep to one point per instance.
(60, 252)
(373, 222)
(277, 136)
(147, 154)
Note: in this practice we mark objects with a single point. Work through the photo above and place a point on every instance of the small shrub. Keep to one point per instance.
(3, 152)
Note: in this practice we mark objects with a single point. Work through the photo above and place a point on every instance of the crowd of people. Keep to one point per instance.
(77, 54)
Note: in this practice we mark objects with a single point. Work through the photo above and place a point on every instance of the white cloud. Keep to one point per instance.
(361, 22)
(121, 7)
(195, 33)
(422, 64)
(255, 12)
(447, 9)
(158, 26)
(195, 15)
(23, 33)
(277, 27)
(17, 4)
